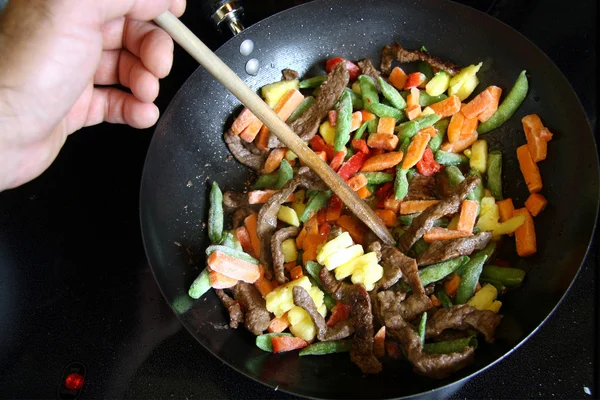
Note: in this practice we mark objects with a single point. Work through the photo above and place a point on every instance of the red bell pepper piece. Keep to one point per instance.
(334, 209)
(321, 216)
(332, 117)
(352, 166)
(339, 313)
(360, 145)
(427, 165)
(338, 159)
(324, 229)
(318, 144)
(287, 343)
(414, 80)
(352, 68)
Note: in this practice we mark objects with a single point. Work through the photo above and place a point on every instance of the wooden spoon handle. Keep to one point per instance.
(217, 68)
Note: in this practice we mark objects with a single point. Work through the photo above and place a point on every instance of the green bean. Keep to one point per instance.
(320, 348)
(301, 109)
(420, 247)
(451, 346)
(439, 271)
(264, 342)
(454, 175)
(215, 214)
(509, 277)
(494, 173)
(444, 299)
(231, 252)
(265, 180)
(441, 127)
(391, 94)
(500, 287)
(425, 69)
(385, 102)
(425, 99)
(407, 219)
(470, 277)
(372, 125)
(286, 173)
(314, 204)
(360, 131)
(411, 174)
(200, 285)
(397, 232)
(404, 146)
(377, 178)
(357, 101)
(410, 128)
(371, 187)
(423, 327)
(343, 122)
(442, 222)
(313, 82)
(477, 193)
(368, 89)
(228, 240)
(489, 250)
(445, 158)
(313, 269)
(401, 183)
(383, 111)
(509, 105)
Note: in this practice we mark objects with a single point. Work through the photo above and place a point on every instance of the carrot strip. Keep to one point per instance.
(382, 161)
(274, 159)
(357, 120)
(278, 325)
(538, 147)
(386, 125)
(264, 286)
(478, 105)
(414, 206)
(495, 92)
(261, 196)
(367, 116)
(530, 170)
(455, 127)
(545, 134)
(242, 121)
(446, 107)
(430, 130)
(413, 98)
(285, 107)
(413, 112)
(392, 204)
(535, 204)
(219, 281)
(387, 216)
(468, 127)
(505, 209)
(379, 343)
(290, 265)
(296, 272)
(460, 145)
(310, 244)
(233, 267)
(363, 192)
(310, 227)
(435, 301)
(334, 209)
(340, 312)
(438, 233)
(415, 150)
(250, 132)
(385, 141)
(468, 215)
(398, 78)
(357, 182)
(525, 234)
(451, 285)
(250, 224)
(244, 238)
(354, 228)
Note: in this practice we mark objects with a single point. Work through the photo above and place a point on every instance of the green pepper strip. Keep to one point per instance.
(508, 106)
(200, 285)
(509, 277)
(377, 178)
(384, 111)
(452, 346)
(441, 127)
(313, 82)
(368, 89)
(231, 252)
(315, 203)
(439, 271)
(361, 131)
(301, 109)
(470, 277)
(410, 128)
(215, 214)
(401, 183)
(321, 348)
(343, 122)
(423, 328)
(286, 173)
(265, 181)
(228, 240)
(391, 94)
(494, 173)
(264, 342)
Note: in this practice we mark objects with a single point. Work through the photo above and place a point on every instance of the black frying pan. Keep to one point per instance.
(188, 152)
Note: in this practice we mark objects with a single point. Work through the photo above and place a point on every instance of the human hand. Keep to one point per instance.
(56, 54)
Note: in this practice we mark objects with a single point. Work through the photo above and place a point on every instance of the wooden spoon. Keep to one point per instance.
(217, 68)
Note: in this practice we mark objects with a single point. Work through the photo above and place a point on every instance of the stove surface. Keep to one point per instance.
(75, 285)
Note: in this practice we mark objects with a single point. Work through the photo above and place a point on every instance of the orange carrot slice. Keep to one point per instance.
(287, 343)
(387, 216)
(354, 228)
(415, 150)
(397, 78)
(455, 127)
(468, 215)
(451, 285)
(264, 286)
(438, 233)
(261, 196)
(250, 132)
(356, 121)
(274, 160)
(535, 204)
(244, 238)
(446, 107)
(525, 234)
(285, 107)
(460, 145)
(478, 105)
(392, 204)
(538, 147)
(233, 267)
(242, 121)
(413, 98)
(505, 209)
(413, 112)
(296, 272)
(414, 206)
(367, 116)
(220, 281)
(529, 168)
(386, 125)
(382, 161)
(278, 325)
(363, 192)
(250, 224)
(357, 181)
(385, 141)
(495, 92)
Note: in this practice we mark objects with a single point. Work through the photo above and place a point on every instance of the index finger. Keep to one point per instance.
(143, 10)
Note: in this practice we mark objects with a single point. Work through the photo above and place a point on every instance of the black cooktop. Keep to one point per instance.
(75, 285)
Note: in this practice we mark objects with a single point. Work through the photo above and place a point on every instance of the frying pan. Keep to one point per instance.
(188, 152)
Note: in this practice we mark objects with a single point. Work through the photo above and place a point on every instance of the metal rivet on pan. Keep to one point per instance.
(246, 47)
(252, 66)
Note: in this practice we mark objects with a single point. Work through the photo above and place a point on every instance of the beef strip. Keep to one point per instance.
(278, 261)
(463, 317)
(427, 218)
(240, 151)
(361, 352)
(392, 257)
(341, 330)
(239, 215)
(375, 247)
(234, 200)
(236, 315)
(396, 307)
(257, 317)
(443, 188)
(289, 75)
(367, 68)
(397, 52)
(330, 91)
(421, 187)
(334, 232)
(443, 250)
(332, 285)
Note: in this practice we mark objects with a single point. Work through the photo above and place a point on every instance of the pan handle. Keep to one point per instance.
(228, 13)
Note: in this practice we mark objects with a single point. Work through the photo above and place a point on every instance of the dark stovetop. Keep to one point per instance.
(75, 284)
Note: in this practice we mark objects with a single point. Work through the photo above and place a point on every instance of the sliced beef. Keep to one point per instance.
(407, 266)
(361, 352)
(341, 330)
(278, 261)
(427, 218)
(375, 247)
(289, 75)
(443, 189)
(367, 68)
(330, 91)
(463, 317)
(257, 317)
(334, 232)
(397, 52)
(234, 200)
(236, 315)
(396, 307)
(240, 151)
(332, 285)
(443, 250)
(421, 187)
(239, 215)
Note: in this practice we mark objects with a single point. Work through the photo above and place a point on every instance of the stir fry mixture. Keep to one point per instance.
(301, 273)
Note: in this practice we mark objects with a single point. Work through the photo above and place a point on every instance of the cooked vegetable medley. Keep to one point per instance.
(300, 272)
